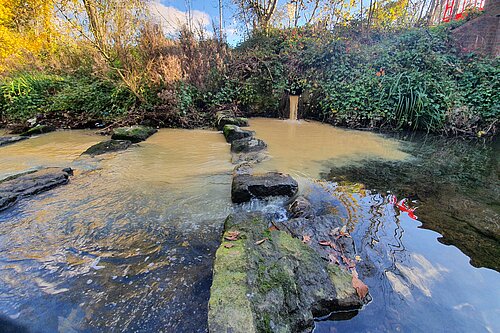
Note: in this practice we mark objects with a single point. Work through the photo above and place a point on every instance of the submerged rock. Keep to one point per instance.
(269, 281)
(107, 147)
(233, 132)
(30, 183)
(39, 129)
(301, 207)
(5, 140)
(248, 186)
(228, 118)
(247, 145)
(134, 134)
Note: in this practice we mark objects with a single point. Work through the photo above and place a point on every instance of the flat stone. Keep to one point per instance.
(248, 186)
(228, 118)
(107, 147)
(39, 129)
(269, 281)
(5, 140)
(30, 183)
(247, 145)
(233, 132)
(134, 134)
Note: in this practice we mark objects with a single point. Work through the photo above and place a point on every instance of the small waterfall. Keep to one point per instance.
(294, 106)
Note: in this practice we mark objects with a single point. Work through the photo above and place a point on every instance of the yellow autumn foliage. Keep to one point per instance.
(26, 28)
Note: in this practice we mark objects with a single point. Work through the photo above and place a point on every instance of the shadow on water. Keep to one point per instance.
(455, 185)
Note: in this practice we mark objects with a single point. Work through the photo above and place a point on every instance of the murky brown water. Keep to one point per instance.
(306, 148)
(127, 244)
(53, 149)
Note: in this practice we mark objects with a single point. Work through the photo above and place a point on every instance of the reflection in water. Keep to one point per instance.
(414, 280)
(302, 148)
(127, 246)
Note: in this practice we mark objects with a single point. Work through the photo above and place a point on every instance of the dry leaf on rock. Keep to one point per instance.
(232, 235)
(260, 241)
(228, 245)
(306, 239)
(361, 288)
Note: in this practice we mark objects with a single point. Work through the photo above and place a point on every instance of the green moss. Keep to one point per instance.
(134, 134)
(229, 307)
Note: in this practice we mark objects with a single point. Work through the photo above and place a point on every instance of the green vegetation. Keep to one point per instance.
(25, 95)
(386, 69)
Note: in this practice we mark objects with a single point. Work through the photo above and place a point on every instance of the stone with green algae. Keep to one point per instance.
(134, 134)
(269, 281)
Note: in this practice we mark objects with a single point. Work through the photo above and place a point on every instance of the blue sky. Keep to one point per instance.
(206, 11)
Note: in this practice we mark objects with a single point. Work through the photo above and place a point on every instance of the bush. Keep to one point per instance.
(26, 95)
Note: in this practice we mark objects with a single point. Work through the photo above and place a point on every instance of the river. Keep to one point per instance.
(128, 244)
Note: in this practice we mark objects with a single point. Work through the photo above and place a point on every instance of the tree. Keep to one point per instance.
(260, 12)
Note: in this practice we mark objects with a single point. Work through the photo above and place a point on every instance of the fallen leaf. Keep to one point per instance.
(306, 239)
(260, 241)
(185, 244)
(361, 288)
(334, 258)
(228, 245)
(232, 235)
(325, 243)
(273, 228)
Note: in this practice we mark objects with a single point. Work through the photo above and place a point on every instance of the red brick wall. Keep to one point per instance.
(482, 34)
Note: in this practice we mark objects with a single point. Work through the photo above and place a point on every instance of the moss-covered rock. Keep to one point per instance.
(107, 147)
(269, 281)
(39, 129)
(228, 118)
(233, 132)
(134, 134)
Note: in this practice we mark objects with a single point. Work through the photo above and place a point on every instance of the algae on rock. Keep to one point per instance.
(274, 279)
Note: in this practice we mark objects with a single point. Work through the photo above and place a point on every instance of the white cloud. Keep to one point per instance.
(172, 19)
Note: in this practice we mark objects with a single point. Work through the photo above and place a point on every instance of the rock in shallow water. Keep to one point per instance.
(5, 140)
(232, 132)
(247, 145)
(134, 134)
(228, 118)
(31, 183)
(269, 281)
(39, 129)
(107, 147)
(248, 186)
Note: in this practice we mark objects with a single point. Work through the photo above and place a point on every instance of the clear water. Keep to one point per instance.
(128, 244)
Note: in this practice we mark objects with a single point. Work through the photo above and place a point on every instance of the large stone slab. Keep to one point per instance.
(107, 147)
(247, 145)
(31, 183)
(266, 280)
(248, 186)
(5, 140)
(134, 134)
(233, 132)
